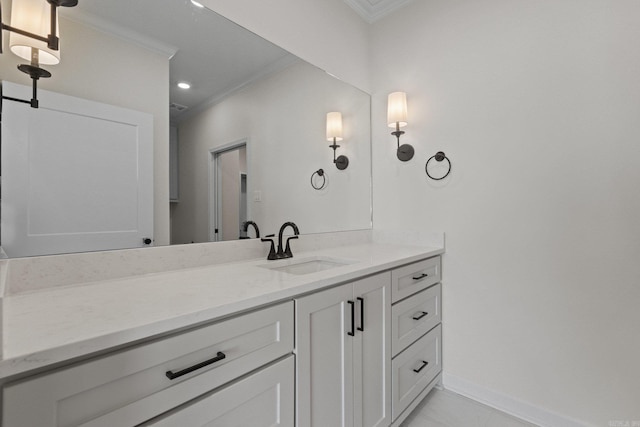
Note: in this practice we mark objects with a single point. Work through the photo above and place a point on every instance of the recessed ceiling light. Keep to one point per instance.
(195, 3)
(184, 85)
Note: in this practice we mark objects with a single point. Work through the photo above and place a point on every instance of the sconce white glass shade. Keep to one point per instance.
(32, 16)
(397, 109)
(334, 126)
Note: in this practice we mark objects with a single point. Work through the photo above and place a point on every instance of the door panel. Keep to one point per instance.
(372, 352)
(324, 372)
(77, 175)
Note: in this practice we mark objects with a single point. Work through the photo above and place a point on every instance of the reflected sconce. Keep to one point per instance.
(30, 19)
(334, 134)
(397, 118)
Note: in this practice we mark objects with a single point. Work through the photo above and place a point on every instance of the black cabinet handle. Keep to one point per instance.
(353, 318)
(424, 363)
(422, 276)
(421, 315)
(361, 327)
(174, 375)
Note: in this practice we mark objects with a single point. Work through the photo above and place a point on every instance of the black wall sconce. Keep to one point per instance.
(334, 133)
(397, 118)
(29, 19)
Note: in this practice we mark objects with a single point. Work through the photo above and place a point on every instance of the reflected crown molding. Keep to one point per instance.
(123, 33)
(274, 68)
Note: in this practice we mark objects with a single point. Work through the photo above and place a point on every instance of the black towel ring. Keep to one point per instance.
(319, 172)
(439, 156)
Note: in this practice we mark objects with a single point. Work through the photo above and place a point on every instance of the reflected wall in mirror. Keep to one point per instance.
(243, 88)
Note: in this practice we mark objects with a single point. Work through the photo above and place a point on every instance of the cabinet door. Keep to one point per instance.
(263, 399)
(372, 352)
(324, 355)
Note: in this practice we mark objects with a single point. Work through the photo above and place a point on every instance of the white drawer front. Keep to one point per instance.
(424, 357)
(131, 386)
(263, 399)
(415, 277)
(414, 317)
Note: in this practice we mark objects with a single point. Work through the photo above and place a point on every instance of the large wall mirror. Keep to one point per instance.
(241, 144)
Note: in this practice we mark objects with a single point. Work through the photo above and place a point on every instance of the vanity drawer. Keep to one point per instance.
(414, 317)
(263, 399)
(132, 386)
(424, 357)
(412, 278)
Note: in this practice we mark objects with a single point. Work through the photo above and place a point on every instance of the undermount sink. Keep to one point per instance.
(306, 265)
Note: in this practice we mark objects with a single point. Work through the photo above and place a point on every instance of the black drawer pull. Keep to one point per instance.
(422, 276)
(424, 363)
(421, 315)
(353, 318)
(361, 327)
(174, 375)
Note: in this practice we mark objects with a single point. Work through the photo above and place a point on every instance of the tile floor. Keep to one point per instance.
(443, 408)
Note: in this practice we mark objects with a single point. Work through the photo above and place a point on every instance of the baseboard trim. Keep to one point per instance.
(507, 404)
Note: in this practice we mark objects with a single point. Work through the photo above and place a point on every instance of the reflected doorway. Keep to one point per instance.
(228, 191)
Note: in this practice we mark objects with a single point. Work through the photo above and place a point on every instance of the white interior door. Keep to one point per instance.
(77, 175)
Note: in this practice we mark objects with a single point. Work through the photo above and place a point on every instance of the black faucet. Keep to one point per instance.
(245, 228)
(272, 251)
(286, 253)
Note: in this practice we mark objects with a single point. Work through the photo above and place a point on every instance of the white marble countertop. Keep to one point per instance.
(47, 327)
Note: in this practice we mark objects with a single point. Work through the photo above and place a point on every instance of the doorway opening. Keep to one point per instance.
(228, 191)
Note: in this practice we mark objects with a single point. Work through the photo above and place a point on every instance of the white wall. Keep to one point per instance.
(283, 119)
(123, 72)
(326, 33)
(537, 104)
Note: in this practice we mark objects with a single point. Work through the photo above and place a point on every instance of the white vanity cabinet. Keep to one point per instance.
(343, 348)
(416, 334)
(363, 353)
(135, 385)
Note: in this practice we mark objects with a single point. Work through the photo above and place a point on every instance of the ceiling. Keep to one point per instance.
(213, 54)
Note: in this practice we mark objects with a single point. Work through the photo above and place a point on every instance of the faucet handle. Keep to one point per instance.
(272, 250)
(287, 250)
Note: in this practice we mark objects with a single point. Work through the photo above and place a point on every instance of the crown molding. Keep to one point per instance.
(373, 10)
(111, 28)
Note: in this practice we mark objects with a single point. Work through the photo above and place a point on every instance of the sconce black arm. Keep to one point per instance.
(342, 161)
(51, 40)
(35, 73)
(405, 152)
